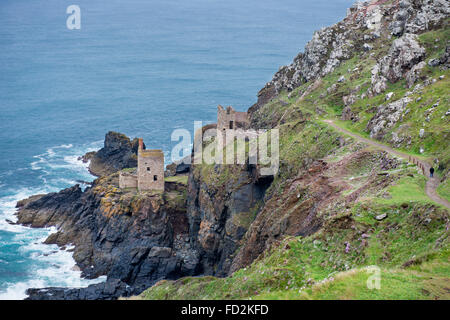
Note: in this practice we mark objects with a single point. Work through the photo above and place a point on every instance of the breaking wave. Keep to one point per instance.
(25, 261)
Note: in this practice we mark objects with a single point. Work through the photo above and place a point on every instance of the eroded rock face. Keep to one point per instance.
(328, 47)
(404, 53)
(316, 189)
(118, 152)
(400, 18)
(292, 213)
(220, 214)
(403, 60)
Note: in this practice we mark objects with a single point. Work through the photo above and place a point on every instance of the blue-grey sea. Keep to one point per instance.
(141, 67)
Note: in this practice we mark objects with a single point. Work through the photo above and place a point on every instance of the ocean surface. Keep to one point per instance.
(141, 67)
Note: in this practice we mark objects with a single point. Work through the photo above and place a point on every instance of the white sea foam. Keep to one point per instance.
(59, 168)
(16, 291)
(66, 146)
(8, 207)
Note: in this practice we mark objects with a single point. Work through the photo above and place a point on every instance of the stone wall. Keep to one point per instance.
(231, 119)
(127, 180)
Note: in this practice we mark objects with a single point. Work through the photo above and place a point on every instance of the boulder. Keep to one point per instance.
(404, 53)
(349, 100)
(433, 62)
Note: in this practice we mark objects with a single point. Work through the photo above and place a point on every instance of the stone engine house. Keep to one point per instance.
(231, 119)
(150, 171)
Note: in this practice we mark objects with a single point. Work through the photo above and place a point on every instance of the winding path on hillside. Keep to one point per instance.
(432, 183)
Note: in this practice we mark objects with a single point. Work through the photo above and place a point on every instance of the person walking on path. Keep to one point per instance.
(431, 172)
(430, 186)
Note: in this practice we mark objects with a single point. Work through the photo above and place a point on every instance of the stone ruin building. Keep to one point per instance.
(231, 119)
(150, 171)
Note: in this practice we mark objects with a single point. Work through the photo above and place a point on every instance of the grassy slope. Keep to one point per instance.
(318, 266)
(410, 246)
(178, 179)
(357, 73)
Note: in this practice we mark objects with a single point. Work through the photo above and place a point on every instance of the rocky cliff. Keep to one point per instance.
(222, 202)
(383, 72)
(118, 152)
(364, 28)
(133, 238)
(137, 238)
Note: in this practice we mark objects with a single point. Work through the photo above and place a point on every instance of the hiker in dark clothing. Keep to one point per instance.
(431, 172)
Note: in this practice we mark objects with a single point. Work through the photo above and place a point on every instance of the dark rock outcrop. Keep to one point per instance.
(292, 213)
(118, 152)
(109, 290)
(135, 239)
(348, 114)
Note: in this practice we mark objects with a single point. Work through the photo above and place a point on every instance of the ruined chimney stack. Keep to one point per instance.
(141, 144)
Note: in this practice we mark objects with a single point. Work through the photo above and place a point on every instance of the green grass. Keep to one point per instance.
(398, 284)
(407, 189)
(395, 284)
(177, 179)
(444, 189)
(299, 143)
(318, 267)
(428, 40)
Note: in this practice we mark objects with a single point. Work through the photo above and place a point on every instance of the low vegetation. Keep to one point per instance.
(409, 249)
